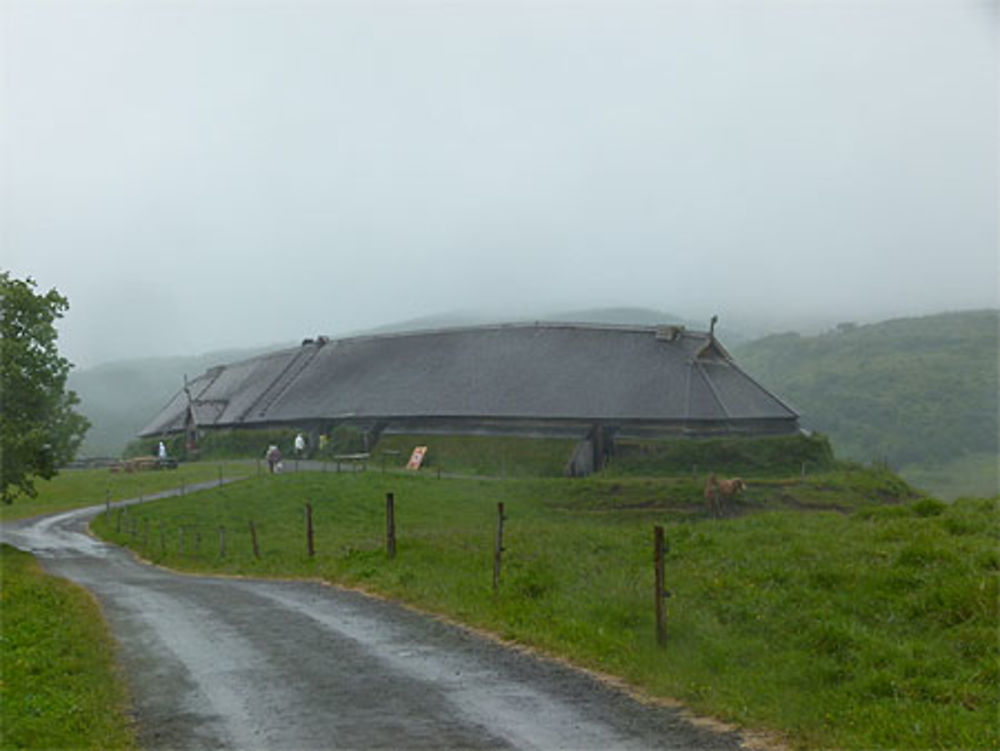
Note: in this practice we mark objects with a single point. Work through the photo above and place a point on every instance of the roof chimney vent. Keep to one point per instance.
(669, 333)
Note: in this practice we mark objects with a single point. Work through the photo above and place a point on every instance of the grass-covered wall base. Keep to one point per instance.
(768, 455)
(498, 456)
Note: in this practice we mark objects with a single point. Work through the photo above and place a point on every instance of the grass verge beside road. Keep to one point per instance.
(75, 488)
(873, 626)
(59, 688)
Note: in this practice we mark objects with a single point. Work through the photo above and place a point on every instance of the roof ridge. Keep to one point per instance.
(537, 324)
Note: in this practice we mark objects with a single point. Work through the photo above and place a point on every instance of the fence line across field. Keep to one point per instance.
(189, 542)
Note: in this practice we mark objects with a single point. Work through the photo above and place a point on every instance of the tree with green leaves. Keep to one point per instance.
(39, 430)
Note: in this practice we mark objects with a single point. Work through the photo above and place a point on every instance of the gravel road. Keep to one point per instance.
(255, 664)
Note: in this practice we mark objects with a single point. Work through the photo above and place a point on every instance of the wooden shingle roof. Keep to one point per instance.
(535, 371)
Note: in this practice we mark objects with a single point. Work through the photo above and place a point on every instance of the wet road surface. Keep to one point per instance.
(254, 664)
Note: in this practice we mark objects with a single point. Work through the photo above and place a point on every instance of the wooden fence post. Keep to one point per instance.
(498, 549)
(659, 550)
(180, 541)
(222, 542)
(390, 525)
(163, 541)
(107, 505)
(309, 530)
(220, 475)
(118, 522)
(253, 538)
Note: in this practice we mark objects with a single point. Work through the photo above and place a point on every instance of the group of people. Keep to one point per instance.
(273, 455)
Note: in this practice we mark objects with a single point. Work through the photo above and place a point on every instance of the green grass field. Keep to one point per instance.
(59, 688)
(74, 488)
(872, 626)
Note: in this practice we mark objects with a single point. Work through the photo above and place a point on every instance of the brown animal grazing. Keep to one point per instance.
(719, 492)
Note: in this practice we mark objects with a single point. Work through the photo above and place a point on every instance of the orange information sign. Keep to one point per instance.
(417, 457)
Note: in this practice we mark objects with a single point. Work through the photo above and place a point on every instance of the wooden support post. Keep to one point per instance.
(498, 549)
(659, 551)
(180, 541)
(309, 530)
(197, 543)
(222, 542)
(390, 525)
(253, 538)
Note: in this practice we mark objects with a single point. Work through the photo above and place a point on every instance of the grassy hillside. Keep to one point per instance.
(873, 626)
(916, 392)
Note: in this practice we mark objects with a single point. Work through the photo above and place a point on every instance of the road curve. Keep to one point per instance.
(216, 663)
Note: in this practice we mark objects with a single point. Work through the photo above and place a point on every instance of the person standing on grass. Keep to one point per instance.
(273, 457)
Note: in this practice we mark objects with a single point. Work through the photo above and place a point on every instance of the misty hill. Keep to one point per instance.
(120, 397)
(618, 316)
(912, 391)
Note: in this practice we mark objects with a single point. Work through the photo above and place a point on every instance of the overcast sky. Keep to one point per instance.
(208, 174)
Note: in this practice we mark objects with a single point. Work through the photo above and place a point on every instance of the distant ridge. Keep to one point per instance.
(916, 392)
(619, 315)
